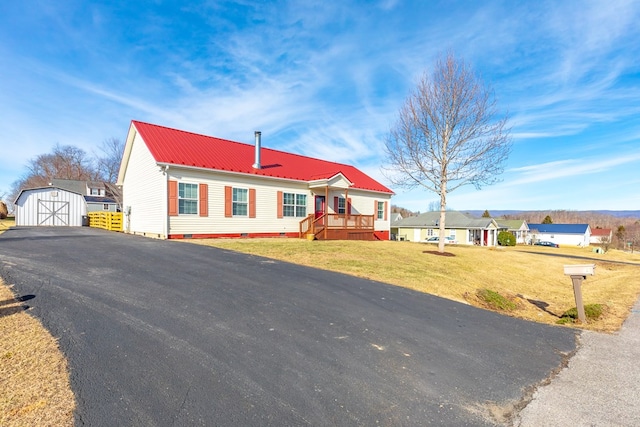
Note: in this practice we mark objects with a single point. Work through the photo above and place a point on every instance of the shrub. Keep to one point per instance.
(591, 311)
(506, 239)
(3, 210)
(495, 301)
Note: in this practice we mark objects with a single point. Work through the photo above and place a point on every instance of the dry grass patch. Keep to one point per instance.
(532, 277)
(6, 223)
(33, 373)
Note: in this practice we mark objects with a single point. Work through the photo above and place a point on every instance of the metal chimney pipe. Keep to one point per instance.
(257, 165)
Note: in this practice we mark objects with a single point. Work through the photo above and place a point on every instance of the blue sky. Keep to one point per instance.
(326, 79)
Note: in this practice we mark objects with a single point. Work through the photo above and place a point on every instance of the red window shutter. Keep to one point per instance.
(385, 210)
(173, 198)
(252, 203)
(349, 206)
(280, 215)
(336, 204)
(228, 202)
(204, 199)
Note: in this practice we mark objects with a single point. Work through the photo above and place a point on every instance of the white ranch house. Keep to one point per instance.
(463, 228)
(177, 184)
(562, 234)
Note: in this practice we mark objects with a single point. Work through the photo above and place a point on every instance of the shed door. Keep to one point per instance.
(53, 212)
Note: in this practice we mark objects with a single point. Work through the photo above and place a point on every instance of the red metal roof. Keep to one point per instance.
(600, 232)
(178, 147)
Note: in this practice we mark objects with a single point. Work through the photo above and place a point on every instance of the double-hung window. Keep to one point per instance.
(240, 201)
(342, 205)
(187, 199)
(380, 210)
(294, 205)
(301, 205)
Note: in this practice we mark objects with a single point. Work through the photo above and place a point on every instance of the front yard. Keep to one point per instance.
(532, 277)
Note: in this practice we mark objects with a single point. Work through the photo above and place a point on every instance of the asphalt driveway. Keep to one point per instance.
(168, 333)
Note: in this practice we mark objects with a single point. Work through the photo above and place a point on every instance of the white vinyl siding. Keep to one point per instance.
(145, 192)
(266, 204)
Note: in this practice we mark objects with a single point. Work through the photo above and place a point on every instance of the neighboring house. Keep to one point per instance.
(600, 235)
(518, 227)
(177, 184)
(49, 206)
(562, 234)
(459, 226)
(396, 216)
(99, 196)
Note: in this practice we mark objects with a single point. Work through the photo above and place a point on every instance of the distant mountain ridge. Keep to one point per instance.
(499, 213)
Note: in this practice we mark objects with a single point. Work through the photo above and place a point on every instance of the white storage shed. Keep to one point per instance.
(49, 206)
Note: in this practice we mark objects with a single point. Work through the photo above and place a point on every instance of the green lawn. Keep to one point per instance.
(532, 277)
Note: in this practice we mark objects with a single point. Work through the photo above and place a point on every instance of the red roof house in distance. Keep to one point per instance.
(600, 235)
(178, 184)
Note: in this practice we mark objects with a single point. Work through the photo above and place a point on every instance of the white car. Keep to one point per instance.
(447, 240)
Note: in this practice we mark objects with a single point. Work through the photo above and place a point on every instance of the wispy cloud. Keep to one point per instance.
(568, 168)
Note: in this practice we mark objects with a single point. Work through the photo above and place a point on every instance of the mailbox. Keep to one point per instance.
(579, 270)
(578, 273)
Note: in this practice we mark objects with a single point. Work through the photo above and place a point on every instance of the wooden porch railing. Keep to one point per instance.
(338, 226)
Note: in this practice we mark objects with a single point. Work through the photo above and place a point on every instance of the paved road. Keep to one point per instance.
(600, 386)
(168, 333)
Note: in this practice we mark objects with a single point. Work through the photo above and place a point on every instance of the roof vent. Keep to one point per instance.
(257, 165)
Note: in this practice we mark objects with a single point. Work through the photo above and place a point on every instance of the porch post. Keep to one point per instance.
(346, 208)
(326, 210)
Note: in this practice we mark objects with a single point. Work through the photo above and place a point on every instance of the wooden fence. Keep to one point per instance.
(111, 221)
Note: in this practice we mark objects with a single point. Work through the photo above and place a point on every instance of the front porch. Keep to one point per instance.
(338, 227)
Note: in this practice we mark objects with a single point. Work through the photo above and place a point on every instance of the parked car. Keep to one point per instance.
(447, 240)
(545, 243)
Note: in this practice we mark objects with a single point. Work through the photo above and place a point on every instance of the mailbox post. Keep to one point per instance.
(579, 273)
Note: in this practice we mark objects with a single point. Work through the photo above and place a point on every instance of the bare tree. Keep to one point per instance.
(633, 236)
(65, 162)
(448, 134)
(108, 161)
(605, 242)
(620, 236)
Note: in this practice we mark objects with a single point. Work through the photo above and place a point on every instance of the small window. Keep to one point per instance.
(430, 232)
(187, 199)
(342, 204)
(380, 210)
(294, 205)
(240, 202)
(105, 206)
(95, 191)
